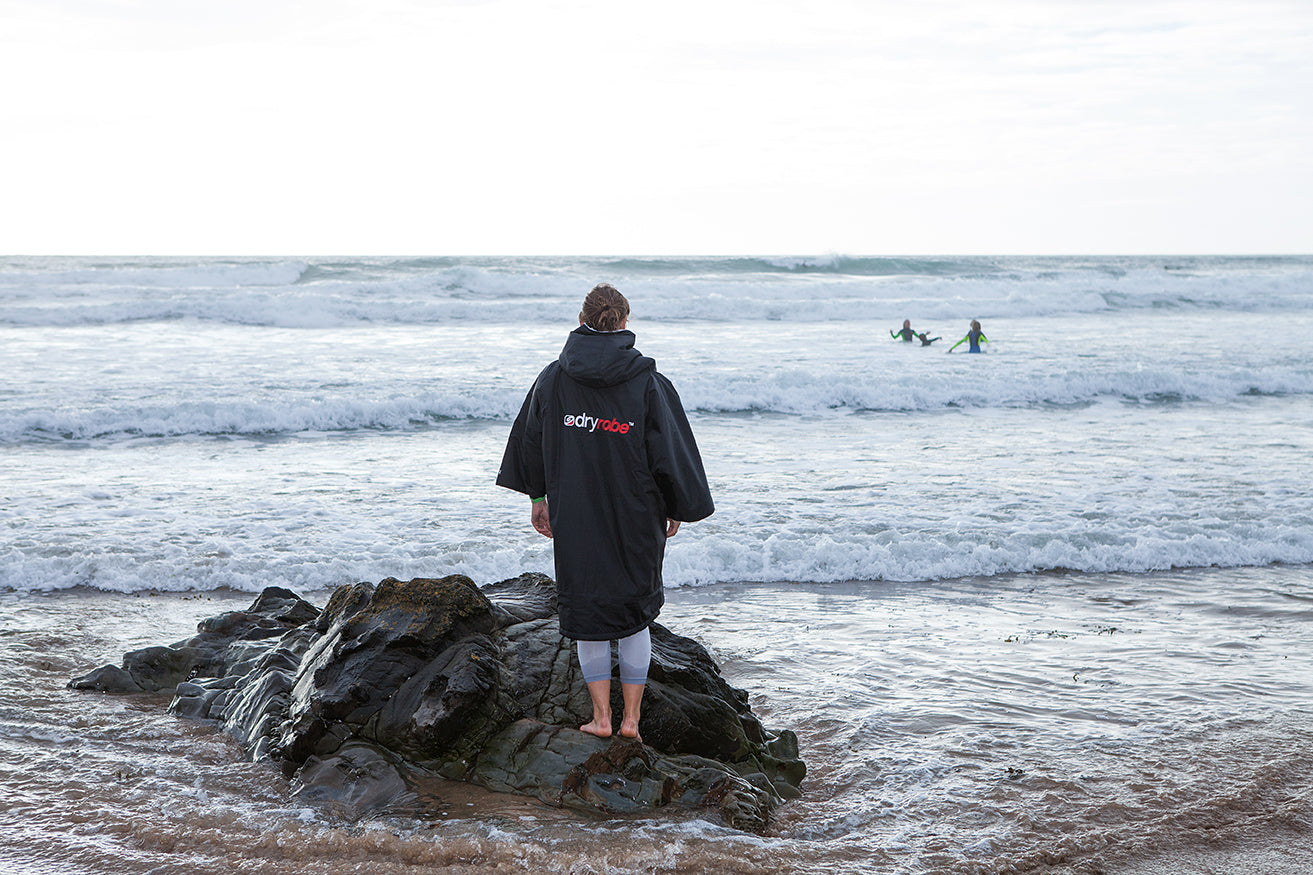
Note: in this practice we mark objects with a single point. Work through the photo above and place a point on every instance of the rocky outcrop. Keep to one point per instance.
(406, 680)
(223, 645)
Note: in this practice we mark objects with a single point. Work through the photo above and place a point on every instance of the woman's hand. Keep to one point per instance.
(541, 521)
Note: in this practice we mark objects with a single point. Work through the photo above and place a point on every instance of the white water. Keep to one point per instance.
(882, 572)
(187, 425)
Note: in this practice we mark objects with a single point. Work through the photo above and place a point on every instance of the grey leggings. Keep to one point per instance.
(635, 656)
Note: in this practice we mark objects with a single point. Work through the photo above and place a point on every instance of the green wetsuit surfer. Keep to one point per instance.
(974, 337)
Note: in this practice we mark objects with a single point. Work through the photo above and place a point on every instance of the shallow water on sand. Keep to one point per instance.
(1036, 723)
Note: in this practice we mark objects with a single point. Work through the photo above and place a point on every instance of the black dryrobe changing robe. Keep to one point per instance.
(605, 438)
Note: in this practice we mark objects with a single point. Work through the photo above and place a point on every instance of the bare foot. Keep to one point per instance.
(602, 729)
(629, 729)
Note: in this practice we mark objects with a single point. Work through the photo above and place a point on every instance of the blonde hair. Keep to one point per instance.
(605, 309)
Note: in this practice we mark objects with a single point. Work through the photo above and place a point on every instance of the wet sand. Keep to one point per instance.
(1121, 724)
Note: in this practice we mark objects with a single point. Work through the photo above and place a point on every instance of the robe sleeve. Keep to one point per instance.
(673, 456)
(522, 467)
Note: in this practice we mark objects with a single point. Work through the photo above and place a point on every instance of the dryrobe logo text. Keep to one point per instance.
(591, 424)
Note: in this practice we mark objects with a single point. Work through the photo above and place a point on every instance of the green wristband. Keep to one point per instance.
(536, 500)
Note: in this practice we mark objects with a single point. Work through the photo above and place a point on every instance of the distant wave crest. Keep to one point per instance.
(323, 293)
(784, 392)
(800, 392)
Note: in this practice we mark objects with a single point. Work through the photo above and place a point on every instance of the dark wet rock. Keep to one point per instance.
(356, 778)
(408, 680)
(221, 644)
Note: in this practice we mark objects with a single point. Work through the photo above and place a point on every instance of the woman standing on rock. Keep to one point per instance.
(604, 450)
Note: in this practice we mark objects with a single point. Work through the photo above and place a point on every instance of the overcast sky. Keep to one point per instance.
(465, 127)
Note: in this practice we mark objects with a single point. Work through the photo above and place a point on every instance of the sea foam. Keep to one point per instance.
(301, 294)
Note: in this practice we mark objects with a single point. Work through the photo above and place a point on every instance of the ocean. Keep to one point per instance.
(1044, 609)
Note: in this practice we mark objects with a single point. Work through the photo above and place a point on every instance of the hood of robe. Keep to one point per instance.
(603, 358)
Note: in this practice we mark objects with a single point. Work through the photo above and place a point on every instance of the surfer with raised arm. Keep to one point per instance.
(905, 333)
(974, 337)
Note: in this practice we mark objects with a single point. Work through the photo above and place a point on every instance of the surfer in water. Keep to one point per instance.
(974, 337)
(926, 341)
(905, 334)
